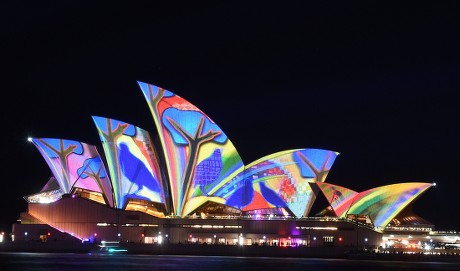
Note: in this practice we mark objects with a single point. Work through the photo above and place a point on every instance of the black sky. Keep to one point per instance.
(375, 82)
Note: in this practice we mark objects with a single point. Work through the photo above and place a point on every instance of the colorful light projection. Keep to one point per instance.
(198, 154)
(338, 197)
(75, 164)
(279, 180)
(203, 165)
(132, 162)
(383, 203)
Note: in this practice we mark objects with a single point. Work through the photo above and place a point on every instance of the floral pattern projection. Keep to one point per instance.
(280, 180)
(198, 154)
(382, 203)
(132, 162)
(75, 164)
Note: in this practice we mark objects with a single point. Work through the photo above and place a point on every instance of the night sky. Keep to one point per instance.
(375, 82)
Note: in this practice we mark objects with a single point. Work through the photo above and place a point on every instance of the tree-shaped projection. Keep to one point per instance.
(194, 141)
(75, 164)
(320, 170)
(203, 166)
(132, 161)
(109, 135)
(59, 149)
(189, 137)
(94, 168)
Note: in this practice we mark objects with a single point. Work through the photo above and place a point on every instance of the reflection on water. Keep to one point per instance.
(66, 262)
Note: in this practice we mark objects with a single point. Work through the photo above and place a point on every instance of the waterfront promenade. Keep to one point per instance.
(235, 250)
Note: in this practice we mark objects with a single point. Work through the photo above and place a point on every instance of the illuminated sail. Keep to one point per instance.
(203, 172)
(198, 154)
(75, 165)
(340, 198)
(132, 161)
(383, 203)
(279, 180)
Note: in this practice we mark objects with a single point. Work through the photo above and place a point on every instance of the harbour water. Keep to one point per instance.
(97, 262)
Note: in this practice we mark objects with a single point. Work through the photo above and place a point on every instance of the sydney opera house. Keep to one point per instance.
(186, 183)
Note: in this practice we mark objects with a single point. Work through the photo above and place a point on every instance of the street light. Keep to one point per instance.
(160, 238)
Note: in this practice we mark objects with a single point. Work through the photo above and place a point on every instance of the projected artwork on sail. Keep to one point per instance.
(279, 180)
(75, 164)
(340, 198)
(198, 154)
(383, 203)
(132, 161)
